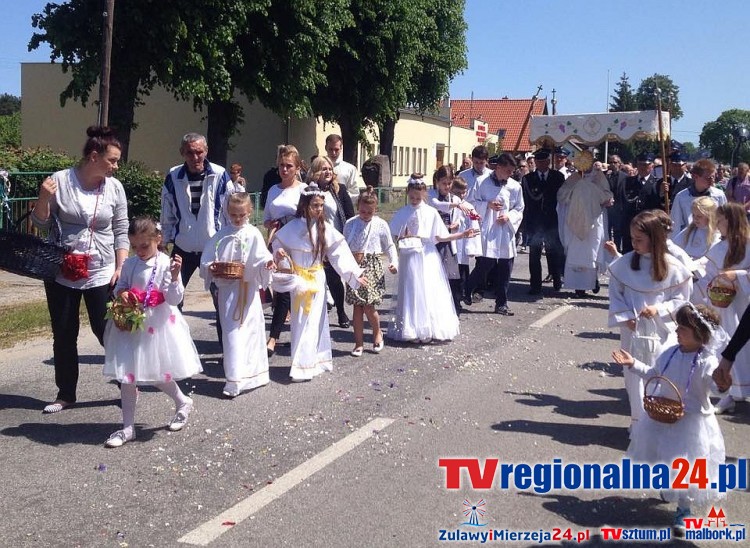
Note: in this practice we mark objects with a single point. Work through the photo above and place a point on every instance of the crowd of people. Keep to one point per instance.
(678, 280)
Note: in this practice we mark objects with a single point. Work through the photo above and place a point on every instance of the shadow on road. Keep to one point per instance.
(570, 434)
(615, 511)
(587, 409)
(86, 433)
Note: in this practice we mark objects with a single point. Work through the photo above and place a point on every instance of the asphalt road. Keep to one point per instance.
(305, 465)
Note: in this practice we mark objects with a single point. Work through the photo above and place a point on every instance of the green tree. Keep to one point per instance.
(440, 56)
(201, 50)
(646, 98)
(10, 130)
(688, 148)
(9, 104)
(721, 137)
(369, 66)
(623, 99)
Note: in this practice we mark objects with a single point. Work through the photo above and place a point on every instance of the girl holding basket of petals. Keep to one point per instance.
(158, 350)
(237, 260)
(646, 286)
(727, 292)
(301, 246)
(682, 377)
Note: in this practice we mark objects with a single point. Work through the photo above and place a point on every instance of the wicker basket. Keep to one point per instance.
(228, 270)
(661, 408)
(721, 292)
(28, 255)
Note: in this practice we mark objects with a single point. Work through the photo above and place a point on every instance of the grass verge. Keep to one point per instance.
(20, 322)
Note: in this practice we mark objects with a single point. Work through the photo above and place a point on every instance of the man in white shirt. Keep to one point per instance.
(477, 173)
(345, 172)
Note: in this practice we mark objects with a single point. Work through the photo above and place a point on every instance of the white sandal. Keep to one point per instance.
(55, 407)
(357, 352)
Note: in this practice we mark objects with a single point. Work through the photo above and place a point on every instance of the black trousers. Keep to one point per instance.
(63, 304)
(336, 287)
(502, 269)
(282, 304)
(550, 240)
(191, 261)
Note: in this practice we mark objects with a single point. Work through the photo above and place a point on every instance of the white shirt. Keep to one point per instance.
(347, 176)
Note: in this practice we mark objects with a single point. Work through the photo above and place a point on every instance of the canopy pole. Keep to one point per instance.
(664, 163)
(526, 121)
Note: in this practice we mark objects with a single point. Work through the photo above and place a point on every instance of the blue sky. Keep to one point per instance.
(574, 46)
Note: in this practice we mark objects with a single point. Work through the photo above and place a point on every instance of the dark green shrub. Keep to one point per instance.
(143, 189)
(40, 160)
(10, 130)
(142, 186)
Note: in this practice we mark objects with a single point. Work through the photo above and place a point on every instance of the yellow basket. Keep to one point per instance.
(661, 408)
(721, 292)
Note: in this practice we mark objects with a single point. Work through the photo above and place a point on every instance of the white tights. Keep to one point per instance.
(129, 395)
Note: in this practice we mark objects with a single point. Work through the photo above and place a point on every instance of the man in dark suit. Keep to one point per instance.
(679, 178)
(540, 198)
(614, 214)
(638, 193)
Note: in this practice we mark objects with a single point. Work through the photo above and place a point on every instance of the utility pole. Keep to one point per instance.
(108, 18)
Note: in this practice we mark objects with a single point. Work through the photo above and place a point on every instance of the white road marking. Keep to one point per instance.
(544, 320)
(212, 529)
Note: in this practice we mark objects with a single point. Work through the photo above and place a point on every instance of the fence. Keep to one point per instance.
(14, 207)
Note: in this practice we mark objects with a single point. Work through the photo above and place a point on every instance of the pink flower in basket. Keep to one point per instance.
(129, 378)
(151, 330)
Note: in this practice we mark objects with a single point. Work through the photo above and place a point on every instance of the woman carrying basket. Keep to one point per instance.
(682, 424)
(88, 206)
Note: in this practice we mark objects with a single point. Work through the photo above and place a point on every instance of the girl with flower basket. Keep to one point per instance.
(237, 260)
(148, 340)
(679, 422)
(646, 286)
(726, 292)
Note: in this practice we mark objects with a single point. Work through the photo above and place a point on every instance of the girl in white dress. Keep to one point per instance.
(646, 286)
(701, 234)
(240, 307)
(724, 260)
(305, 242)
(424, 305)
(368, 236)
(689, 365)
(161, 351)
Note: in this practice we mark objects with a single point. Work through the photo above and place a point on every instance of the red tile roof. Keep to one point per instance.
(507, 114)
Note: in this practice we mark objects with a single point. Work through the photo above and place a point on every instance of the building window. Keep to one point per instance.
(394, 156)
(424, 159)
(400, 160)
(415, 166)
(407, 163)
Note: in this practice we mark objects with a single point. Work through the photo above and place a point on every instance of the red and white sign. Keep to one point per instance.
(481, 130)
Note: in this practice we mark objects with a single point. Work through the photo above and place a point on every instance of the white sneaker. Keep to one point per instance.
(118, 439)
(181, 417)
(725, 405)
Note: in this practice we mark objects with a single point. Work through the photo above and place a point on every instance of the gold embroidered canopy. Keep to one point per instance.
(592, 129)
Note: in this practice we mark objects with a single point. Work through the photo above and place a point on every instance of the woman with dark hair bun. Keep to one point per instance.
(86, 206)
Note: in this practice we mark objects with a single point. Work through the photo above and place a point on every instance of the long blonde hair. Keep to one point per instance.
(705, 205)
(316, 168)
